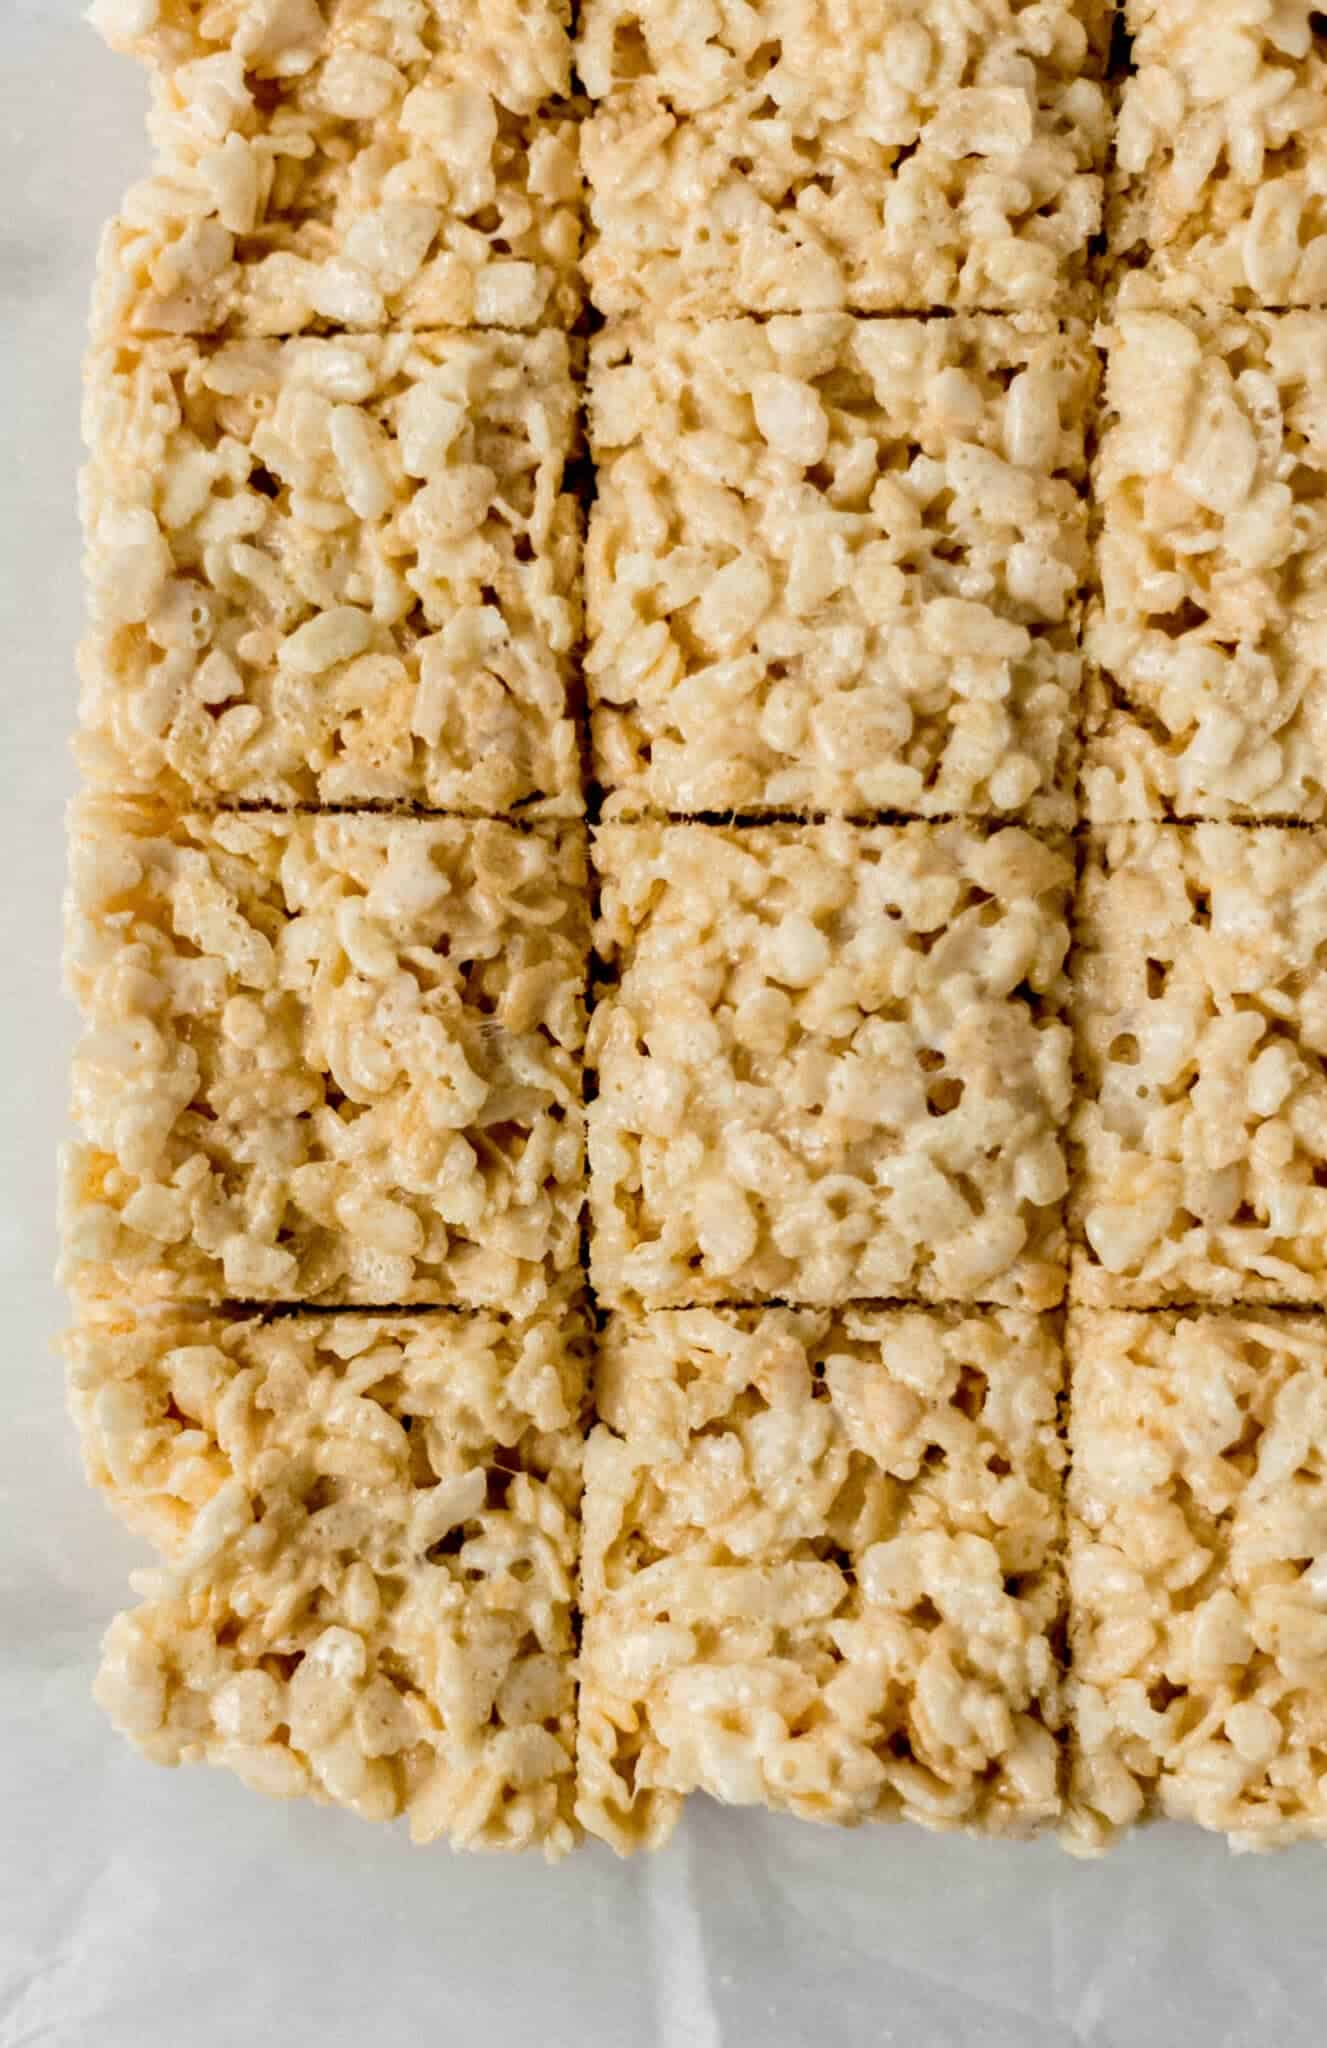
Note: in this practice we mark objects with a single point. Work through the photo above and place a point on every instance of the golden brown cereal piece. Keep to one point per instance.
(834, 565)
(1201, 1016)
(370, 1527)
(1221, 151)
(346, 164)
(830, 1067)
(343, 571)
(1210, 631)
(821, 1570)
(328, 1059)
(869, 155)
(1198, 1574)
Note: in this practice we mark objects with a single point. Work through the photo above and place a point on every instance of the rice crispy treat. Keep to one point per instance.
(834, 564)
(1201, 1011)
(1221, 151)
(830, 1067)
(343, 571)
(346, 164)
(1198, 1574)
(821, 1570)
(872, 155)
(327, 1059)
(1212, 629)
(371, 1529)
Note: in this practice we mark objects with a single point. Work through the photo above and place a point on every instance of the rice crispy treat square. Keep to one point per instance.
(835, 565)
(1211, 633)
(370, 1527)
(339, 571)
(821, 1570)
(327, 1059)
(1201, 1013)
(1198, 1574)
(868, 155)
(830, 1066)
(1221, 151)
(346, 164)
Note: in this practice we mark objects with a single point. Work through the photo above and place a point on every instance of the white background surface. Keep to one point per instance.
(147, 1909)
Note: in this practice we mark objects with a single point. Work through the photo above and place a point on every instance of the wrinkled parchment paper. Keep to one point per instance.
(149, 1909)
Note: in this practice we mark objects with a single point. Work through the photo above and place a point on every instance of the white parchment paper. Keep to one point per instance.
(149, 1909)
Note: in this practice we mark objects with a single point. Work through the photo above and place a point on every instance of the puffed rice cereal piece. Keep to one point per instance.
(834, 565)
(1201, 1009)
(346, 164)
(871, 155)
(831, 1066)
(1221, 151)
(371, 1530)
(327, 1059)
(343, 571)
(1198, 1574)
(1211, 632)
(821, 1570)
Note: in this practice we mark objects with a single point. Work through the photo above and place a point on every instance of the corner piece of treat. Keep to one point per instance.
(370, 1527)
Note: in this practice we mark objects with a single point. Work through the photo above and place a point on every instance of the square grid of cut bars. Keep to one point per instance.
(812, 1288)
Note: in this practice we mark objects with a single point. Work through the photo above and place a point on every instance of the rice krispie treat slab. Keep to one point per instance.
(1198, 1588)
(831, 1066)
(327, 1059)
(1212, 628)
(1221, 149)
(834, 564)
(347, 164)
(871, 155)
(371, 1528)
(1201, 1011)
(821, 1570)
(335, 570)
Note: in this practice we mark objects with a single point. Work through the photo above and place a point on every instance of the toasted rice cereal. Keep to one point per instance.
(830, 1067)
(872, 155)
(343, 571)
(327, 1059)
(1201, 1012)
(1212, 630)
(1221, 149)
(820, 1570)
(834, 564)
(346, 164)
(371, 1528)
(1198, 1574)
